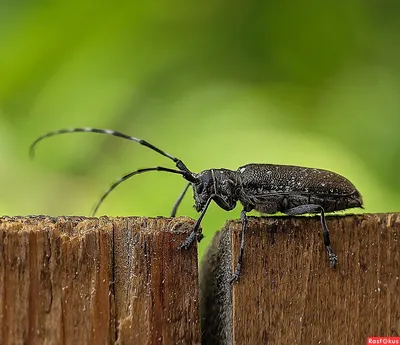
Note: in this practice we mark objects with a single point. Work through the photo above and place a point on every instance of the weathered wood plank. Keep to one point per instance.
(156, 287)
(76, 280)
(288, 294)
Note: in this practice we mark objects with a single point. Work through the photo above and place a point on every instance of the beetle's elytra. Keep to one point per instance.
(266, 188)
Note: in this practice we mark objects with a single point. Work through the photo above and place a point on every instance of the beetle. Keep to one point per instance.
(266, 188)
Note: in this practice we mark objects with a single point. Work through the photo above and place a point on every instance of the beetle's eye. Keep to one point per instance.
(199, 188)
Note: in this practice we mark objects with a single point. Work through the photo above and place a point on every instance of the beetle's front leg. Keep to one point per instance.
(179, 200)
(313, 208)
(196, 232)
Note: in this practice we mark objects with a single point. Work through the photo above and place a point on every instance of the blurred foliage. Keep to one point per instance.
(217, 84)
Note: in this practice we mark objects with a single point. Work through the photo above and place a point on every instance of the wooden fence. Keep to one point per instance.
(76, 280)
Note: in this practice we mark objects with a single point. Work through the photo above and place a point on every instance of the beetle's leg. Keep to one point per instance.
(188, 242)
(179, 200)
(313, 208)
(236, 274)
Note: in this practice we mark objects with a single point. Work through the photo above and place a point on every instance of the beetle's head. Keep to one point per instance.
(217, 183)
(203, 188)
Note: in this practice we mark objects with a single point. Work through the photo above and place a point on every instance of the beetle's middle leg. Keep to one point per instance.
(314, 208)
(236, 274)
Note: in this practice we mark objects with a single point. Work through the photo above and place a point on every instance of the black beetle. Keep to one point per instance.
(266, 188)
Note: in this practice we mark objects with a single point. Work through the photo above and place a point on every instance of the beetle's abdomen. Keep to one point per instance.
(271, 188)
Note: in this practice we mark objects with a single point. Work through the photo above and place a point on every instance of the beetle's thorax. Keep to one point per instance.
(221, 184)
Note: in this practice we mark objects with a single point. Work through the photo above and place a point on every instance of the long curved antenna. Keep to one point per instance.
(179, 200)
(179, 164)
(133, 173)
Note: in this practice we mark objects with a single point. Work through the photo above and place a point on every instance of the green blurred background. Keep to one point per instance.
(216, 83)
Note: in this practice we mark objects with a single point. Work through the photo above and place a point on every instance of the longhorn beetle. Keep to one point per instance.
(267, 188)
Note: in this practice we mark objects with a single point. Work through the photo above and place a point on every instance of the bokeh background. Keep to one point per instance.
(217, 84)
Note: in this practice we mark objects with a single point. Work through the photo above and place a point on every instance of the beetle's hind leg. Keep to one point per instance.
(333, 260)
(313, 208)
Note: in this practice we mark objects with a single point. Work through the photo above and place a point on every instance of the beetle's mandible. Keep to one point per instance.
(266, 188)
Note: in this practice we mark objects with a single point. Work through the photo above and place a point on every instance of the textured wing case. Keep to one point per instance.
(270, 188)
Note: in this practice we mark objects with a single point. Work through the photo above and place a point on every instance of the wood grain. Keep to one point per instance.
(288, 294)
(76, 280)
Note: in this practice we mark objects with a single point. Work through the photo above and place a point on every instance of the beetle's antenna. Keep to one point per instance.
(133, 173)
(179, 164)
